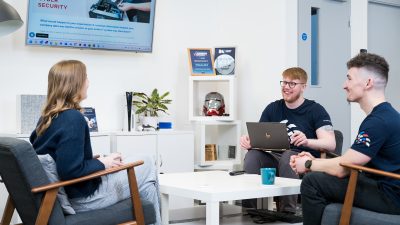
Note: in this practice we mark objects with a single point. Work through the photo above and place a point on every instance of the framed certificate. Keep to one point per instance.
(224, 61)
(200, 62)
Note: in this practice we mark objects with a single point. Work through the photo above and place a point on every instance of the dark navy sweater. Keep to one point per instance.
(67, 140)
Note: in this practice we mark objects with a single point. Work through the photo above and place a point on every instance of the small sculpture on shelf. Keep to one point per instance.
(146, 127)
(214, 104)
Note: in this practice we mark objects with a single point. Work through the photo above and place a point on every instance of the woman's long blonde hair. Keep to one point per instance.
(65, 82)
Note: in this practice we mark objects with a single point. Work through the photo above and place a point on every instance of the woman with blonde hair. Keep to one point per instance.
(63, 133)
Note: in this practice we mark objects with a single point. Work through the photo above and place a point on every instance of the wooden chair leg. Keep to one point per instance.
(46, 207)
(8, 212)
(137, 205)
(348, 201)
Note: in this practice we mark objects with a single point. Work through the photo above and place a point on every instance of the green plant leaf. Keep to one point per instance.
(164, 95)
(163, 107)
(150, 105)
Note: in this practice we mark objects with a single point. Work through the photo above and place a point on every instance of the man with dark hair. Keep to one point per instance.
(377, 145)
(309, 129)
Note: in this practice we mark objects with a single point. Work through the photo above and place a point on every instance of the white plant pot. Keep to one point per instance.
(150, 122)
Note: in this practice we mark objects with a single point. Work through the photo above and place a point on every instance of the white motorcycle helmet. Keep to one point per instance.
(214, 104)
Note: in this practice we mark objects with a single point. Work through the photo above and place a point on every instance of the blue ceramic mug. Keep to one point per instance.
(268, 175)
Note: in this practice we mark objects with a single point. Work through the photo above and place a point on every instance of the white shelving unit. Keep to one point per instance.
(199, 86)
(223, 131)
(222, 134)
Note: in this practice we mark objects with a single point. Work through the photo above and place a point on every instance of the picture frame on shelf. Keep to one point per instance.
(201, 62)
(224, 60)
(89, 113)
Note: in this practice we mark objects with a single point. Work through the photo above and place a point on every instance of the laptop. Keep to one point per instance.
(268, 136)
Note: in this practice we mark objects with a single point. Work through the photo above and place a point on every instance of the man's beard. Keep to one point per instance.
(292, 98)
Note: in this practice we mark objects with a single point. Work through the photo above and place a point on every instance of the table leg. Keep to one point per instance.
(270, 204)
(265, 203)
(212, 213)
(164, 209)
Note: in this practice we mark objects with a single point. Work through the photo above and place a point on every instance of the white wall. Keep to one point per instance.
(258, 29)
(359, 40)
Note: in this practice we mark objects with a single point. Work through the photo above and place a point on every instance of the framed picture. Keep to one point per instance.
(224, 61)
(89, 114)
(200, 62)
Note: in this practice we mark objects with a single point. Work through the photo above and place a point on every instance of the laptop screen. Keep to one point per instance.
(268, 136)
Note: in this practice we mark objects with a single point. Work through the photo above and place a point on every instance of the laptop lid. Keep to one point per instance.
(268, 136)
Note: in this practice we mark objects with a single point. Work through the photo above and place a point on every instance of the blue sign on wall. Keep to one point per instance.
(303, 36)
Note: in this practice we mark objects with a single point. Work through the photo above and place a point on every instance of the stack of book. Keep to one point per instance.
(211, 152)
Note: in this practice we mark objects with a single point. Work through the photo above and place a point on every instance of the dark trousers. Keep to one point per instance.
(320, 189)
(256, 159)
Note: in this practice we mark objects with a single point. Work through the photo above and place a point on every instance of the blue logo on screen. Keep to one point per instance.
(304, 36)
(31, 34)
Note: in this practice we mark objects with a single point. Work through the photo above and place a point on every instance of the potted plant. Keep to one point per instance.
(150, 106)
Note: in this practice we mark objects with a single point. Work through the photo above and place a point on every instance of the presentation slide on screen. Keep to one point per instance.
(90, 24)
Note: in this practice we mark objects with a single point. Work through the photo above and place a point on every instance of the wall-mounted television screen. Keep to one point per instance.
(125, 25)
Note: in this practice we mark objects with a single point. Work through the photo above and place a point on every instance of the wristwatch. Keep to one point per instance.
(308, 164)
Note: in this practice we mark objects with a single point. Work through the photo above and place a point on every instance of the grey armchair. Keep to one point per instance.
(34, 197)
(345, 214)
(339, 145)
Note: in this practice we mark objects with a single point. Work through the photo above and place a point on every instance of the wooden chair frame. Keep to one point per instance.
(351, 188)
(50, 194)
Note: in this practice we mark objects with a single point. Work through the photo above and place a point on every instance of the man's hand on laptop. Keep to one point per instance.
(298, 139)
(245, 142)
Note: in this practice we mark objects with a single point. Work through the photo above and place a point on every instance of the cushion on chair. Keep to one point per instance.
(50, 168)
(359, 216)
(108, 216)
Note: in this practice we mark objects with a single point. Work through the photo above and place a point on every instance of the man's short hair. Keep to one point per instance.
(371, 62)
(294, 73)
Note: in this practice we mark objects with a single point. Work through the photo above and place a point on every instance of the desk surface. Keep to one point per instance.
(217, 186)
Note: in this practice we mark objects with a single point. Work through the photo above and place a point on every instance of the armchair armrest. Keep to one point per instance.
(370, 170)
(351, 187)
(52, 189)
(85, 178)
(328, 154)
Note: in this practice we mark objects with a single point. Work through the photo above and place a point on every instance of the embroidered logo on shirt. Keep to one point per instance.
(363, 138)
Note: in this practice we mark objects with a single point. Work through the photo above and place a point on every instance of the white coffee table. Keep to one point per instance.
(213, 187)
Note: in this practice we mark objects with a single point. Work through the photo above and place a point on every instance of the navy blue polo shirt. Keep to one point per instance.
(307, 118)
(379, 139)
